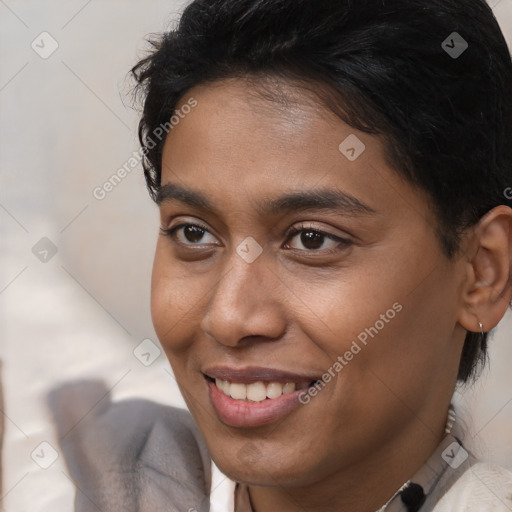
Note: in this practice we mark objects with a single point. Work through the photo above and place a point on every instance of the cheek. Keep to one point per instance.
(392, 320)
(176, 301)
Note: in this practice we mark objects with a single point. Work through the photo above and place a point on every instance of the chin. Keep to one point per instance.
(251, 467)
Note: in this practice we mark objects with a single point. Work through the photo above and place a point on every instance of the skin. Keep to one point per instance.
(297, 307)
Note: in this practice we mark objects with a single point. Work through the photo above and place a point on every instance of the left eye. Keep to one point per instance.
(312, 239)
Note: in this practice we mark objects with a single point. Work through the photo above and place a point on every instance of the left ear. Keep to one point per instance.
(488, 287)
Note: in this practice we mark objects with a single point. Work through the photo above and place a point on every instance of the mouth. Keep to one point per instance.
(253, 397)
(260, 390)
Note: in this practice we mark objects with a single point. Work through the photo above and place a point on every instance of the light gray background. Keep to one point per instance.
(65, 128)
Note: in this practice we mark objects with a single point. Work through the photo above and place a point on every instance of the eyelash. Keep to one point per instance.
(343, 242)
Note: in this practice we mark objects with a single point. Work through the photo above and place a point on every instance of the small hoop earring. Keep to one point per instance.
(482, 335)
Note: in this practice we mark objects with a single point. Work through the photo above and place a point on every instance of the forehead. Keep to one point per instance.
(266, 112)
(257, 122)
(241, 143)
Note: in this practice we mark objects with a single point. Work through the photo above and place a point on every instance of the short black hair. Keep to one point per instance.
(396, 68)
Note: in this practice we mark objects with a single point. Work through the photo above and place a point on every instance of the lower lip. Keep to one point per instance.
(238, 413)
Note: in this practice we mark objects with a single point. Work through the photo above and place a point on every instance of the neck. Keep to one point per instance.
(366, 485)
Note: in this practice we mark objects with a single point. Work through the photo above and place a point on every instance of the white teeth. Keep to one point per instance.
(223, 385)
(274, 390)
(255, 392)
(288, 387)
(238, 391)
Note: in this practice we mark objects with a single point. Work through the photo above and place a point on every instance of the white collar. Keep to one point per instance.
(222, 492)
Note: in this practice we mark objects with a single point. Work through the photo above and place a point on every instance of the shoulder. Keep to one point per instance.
(483, 487)
(130, 456)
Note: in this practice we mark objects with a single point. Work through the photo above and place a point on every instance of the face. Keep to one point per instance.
(288, 260)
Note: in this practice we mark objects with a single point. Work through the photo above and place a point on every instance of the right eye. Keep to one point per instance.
(189, 234)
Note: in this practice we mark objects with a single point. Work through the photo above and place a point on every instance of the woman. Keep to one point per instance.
(336, 239)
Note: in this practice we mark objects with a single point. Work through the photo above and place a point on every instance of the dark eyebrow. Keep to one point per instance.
(171, 191)
(323, 199)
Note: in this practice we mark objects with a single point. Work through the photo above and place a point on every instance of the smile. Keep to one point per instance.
(257, 391)
(254, 397)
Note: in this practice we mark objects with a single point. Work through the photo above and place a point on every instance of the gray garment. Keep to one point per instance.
(130, 456)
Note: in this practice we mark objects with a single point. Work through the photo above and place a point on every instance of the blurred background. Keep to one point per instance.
(75, 266)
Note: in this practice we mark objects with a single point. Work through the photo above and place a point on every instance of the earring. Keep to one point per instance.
(482, 335)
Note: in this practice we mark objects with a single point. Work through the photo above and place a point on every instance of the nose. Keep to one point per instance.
(246, 305)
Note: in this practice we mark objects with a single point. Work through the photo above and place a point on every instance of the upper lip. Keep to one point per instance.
(250, 374)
